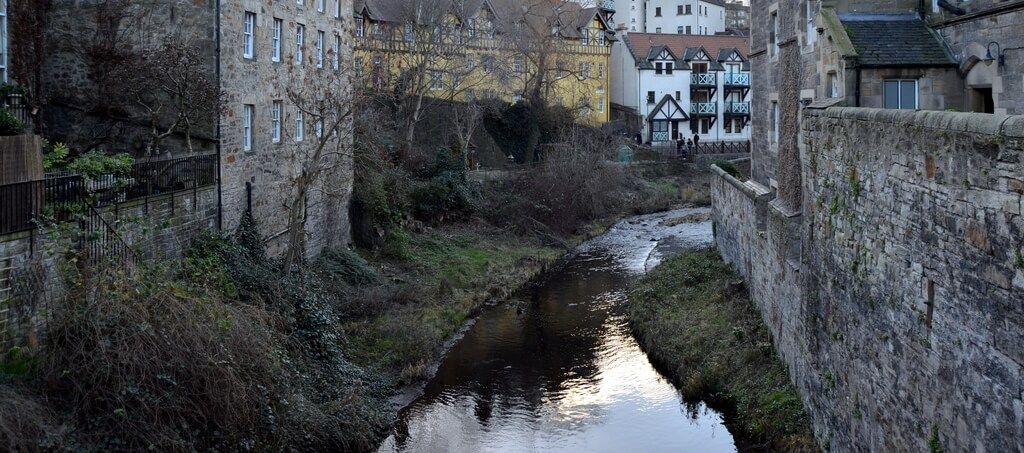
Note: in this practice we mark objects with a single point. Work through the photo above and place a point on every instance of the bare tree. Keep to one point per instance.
(320, 146)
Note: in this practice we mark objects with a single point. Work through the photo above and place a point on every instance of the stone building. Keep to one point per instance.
(262, 57)
(697, 17)
(883, 245)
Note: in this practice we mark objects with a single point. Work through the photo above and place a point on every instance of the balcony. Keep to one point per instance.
(736, 79)
(703, 79)
(704, 108)
(737, 108)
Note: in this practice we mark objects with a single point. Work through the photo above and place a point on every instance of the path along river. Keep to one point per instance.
(559, 370)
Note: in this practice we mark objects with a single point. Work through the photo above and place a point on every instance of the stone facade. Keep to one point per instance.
(968, 38)
(895, 291)
(259, 81)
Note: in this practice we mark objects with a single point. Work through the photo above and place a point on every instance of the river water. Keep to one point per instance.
(559, 370)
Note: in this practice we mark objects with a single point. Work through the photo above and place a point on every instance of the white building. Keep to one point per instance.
(681, 85)
(696, 17)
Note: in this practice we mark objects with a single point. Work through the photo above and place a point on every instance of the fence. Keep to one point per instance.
(58, 194)
(15, 103)
(700, 149)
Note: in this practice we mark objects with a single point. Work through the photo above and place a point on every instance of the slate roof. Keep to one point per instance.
(893, 40)
(645, 46)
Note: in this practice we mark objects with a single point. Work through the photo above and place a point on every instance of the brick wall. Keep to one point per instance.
(896, 296)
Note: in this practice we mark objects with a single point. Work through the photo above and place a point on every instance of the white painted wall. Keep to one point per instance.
(704, 18)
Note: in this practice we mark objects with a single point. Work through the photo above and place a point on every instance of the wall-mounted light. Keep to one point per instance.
(989, 58)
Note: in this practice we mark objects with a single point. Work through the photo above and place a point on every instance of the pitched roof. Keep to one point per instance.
(641, 45)
(890, 40)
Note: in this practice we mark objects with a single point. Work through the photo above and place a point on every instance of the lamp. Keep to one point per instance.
(989, 58)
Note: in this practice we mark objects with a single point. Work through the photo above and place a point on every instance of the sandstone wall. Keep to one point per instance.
(896, 295)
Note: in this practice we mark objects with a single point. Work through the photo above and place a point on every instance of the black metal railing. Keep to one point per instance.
(15, 103)
(99, 241)
(722, 148)
(60, 195)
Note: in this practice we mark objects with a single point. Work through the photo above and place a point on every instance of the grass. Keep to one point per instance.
(695, 320)
(451, 273)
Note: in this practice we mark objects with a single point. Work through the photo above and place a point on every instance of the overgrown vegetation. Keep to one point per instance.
(695, 320)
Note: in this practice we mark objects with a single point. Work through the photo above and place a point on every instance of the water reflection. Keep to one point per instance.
(560, 371)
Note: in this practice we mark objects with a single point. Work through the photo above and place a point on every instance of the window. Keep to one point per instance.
(360, 28)
(657, 12)
(3, 42)
(337, 52)
(318, 128)
(705, 125)
(247, 114)
(600, 103)
(357, 69)
(408, 33)
(669, 67)
(727, 127)
(337, 9)
(319, 49)
(773, 31)
(774, 138)
(586, 37)
(320, 5)
(680, 29)
(650, 97)
(377, 30)
(584, 70)
(517, 65)
(275, 45)
(688, 10)
(600, 70)
(900, 94)
(436, 80)
(275, 121)
(657, 30)
(658, 68)
(248, 35)
(679, 10)
(300, 126)
(300, 2)
(300, 40)
(812, 31)
(689, 29)
(833, 85)
(679, 96)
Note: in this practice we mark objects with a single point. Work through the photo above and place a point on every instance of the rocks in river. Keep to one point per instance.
(688, 218)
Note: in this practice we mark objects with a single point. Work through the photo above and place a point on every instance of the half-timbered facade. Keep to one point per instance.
(680, 86)
(502, 49)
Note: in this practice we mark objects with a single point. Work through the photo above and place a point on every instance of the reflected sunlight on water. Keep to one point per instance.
(565, 374)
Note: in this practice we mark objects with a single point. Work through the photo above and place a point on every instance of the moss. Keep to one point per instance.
(728, 167)
(699, 325)
(934, 444)
(1019, 259)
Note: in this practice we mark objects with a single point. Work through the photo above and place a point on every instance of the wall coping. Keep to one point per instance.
(978, 123)
(748, 190)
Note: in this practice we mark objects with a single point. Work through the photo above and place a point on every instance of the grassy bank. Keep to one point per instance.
(695, 320)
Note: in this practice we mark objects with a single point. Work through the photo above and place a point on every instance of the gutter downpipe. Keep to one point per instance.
(857, 89)
(220, 191)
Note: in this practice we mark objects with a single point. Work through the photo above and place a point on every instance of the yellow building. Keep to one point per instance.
(552, 50)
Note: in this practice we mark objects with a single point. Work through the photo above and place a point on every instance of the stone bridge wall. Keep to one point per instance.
(896, 296)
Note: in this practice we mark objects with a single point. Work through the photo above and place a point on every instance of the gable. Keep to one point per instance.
(666, 110)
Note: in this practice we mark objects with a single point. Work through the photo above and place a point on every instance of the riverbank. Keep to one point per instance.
(694, 319)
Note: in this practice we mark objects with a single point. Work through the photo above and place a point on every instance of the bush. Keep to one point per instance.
(9, 124)
(728, 167)
(447, 193)
(348, 266)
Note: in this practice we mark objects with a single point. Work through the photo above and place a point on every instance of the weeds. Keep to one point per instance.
(697, 323)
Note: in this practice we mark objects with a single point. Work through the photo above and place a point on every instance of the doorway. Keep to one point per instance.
(981, 100)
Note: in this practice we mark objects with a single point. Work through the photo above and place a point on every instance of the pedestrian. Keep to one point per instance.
(696, 143)
(679, 147)
(688, 148)
(639, 138)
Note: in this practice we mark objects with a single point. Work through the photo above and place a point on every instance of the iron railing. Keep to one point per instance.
(59, 195)
(722, 148)
(737, 79)
(99, 241)
(15, 103)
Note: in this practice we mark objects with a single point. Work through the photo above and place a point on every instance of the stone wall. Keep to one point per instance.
(160, 228)
(896, 294)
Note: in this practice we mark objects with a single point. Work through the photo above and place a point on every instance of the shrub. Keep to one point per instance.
(447, 193)
(348, 266)
(9, 124)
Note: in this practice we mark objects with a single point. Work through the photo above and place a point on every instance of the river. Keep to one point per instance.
(559, 370)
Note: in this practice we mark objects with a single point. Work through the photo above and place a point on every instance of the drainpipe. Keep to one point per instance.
(857, 90)
(220, 191)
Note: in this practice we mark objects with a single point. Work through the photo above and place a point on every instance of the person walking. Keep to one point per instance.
(696, 143)
(687, 148)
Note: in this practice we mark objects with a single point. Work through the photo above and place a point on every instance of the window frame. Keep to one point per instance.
(248, 36)
(277, 40)
(276, 120)
(300, 42)
(899, 93)
(320, 38)
(248, 118)
(300, 125)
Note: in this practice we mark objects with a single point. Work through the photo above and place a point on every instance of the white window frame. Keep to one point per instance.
(4, 51)
(337, 9)
(249, 36)
(337, 52)
(318, 128)
(360, 28)
(320, 37)
(321, 6)
(276, 110)
(300, 125)
(812, 31)
(300, 3)
(248, 112)
(899, 93)
(276, 39)
(300, 41)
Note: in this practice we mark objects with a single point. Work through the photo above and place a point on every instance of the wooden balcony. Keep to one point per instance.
(737, 109)
(703, 109)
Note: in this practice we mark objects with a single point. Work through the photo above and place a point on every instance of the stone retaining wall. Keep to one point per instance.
(896, 295)
(160, 228)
